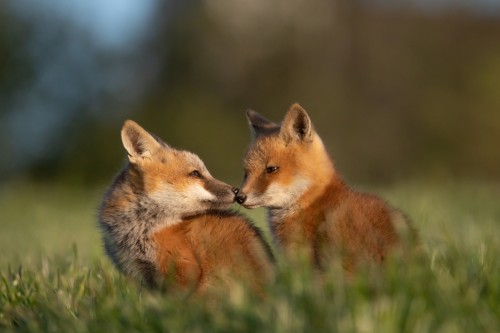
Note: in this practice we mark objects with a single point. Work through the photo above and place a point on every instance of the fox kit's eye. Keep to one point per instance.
(195, 173)
(271, 169)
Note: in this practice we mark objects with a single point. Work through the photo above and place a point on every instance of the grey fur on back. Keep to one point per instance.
(126, 232)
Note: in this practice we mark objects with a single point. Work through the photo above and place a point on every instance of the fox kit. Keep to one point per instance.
(166, 216)
(312, 211)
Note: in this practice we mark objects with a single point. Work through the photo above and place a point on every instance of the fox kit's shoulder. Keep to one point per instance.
(164, 209)
(288, 170)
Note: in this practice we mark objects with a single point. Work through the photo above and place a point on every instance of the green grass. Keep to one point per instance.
(54, 276)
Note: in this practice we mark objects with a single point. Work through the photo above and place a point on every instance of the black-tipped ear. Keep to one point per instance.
(296, 125)
(137, 141)
(260, 125)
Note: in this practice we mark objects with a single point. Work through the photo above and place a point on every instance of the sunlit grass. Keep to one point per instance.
(54, 276)
(46, 220)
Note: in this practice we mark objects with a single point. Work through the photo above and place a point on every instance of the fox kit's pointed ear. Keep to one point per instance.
(259, 125)
(296, 125)
(137, 141)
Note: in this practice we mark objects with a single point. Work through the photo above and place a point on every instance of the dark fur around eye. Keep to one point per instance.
(195, 173)
(271, 169)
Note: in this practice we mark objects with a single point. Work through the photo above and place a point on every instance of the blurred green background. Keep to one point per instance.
(397, 89)
(400, 91)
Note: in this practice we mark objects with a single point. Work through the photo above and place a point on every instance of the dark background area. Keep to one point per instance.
(397, 89)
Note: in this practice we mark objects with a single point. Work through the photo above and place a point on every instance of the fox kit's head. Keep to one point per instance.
(283, 162)
(175, 180)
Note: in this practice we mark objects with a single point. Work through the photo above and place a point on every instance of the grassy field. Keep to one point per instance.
(54, 276)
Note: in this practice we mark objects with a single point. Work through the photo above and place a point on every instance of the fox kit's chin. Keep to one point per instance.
(263, 201)
(221, 204)
(260, 204)
(278, 196)
(252, 205)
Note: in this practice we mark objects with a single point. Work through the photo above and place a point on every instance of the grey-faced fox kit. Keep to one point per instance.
(312, 211)
(165, 214)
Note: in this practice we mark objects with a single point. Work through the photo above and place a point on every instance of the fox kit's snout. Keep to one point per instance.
(288, 170)
(165, 214)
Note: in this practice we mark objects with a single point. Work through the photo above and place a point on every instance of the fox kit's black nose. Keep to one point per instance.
(240, 198)
(235, 190)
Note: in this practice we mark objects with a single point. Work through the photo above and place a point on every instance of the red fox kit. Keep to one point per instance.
(312, 211)
(165, 214)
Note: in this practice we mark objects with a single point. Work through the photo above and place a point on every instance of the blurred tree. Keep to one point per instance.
(392, 90)
(59, 81)
(395, 90)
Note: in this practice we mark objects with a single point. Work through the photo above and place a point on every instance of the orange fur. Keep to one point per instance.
(312, 211)
(166, 220)
(213, 251)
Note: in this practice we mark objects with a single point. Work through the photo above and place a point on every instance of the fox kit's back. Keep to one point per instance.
(214, 250)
